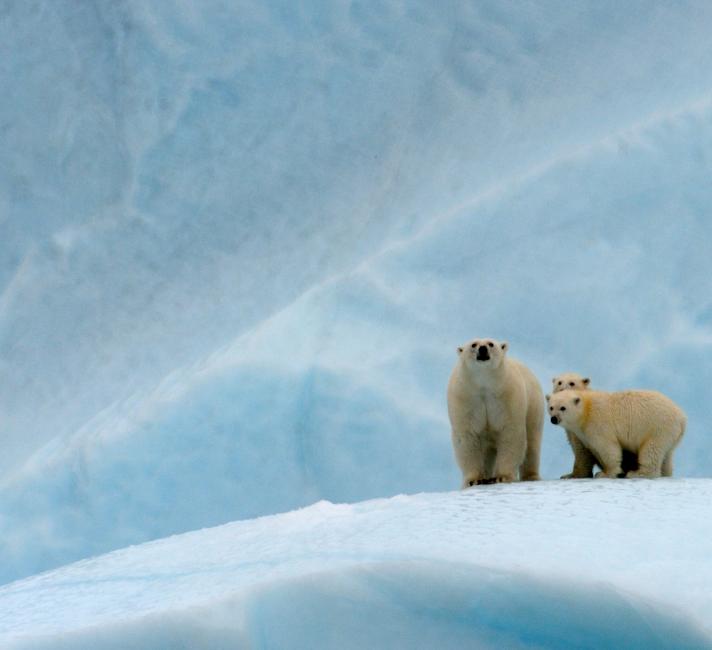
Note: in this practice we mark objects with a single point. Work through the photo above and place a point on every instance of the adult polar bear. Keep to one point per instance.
(496, 409)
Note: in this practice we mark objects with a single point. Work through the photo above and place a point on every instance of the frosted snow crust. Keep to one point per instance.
(584, 564)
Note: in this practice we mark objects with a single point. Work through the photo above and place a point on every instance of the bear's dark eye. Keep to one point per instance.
(560, 383)
(474, 345)
(563, 408)
(491, 344)
(571, 383)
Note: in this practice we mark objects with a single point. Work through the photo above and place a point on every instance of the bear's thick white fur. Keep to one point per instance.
(496, 409)
(640, 421)
(584, 460)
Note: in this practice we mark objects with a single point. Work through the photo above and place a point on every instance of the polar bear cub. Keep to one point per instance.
(496, 409)
(640, 421)
(584, 460)
(569, 381)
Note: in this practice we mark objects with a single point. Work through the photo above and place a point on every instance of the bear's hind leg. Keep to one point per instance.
(667, 464)
(650, 459)
(529, 469)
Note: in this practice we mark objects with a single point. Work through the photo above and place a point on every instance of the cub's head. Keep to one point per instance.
(483, 353)
(565, 408)
(569, 381)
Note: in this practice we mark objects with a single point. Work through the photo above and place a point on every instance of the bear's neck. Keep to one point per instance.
(585, 412)
(484, 377)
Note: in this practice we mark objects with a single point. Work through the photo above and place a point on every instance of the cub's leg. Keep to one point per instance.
(609, 454)
(584, 460)
(666, 469)
(650, 458)
(667, 464)
(470, 456)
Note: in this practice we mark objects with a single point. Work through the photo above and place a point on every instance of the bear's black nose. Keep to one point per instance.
(554, 419)
(482, 349)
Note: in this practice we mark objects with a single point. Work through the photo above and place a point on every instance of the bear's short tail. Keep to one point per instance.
(683, 426)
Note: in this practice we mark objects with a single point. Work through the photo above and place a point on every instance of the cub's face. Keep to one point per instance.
(483, 353)
(569, 381)
(565, 408)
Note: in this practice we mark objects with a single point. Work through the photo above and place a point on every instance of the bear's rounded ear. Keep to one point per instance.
(586, 381)
(577, 400)
(504, 345)
(548, 397)
(459, 350)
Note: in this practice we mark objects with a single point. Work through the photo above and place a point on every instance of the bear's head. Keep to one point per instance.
(569, 381)
(483, 353)
(565, 408)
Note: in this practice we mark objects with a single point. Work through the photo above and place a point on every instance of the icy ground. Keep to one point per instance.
(558, 564)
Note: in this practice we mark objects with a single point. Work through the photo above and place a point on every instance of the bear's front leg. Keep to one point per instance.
(584, 460)
(470, 456)
(511, 449)
(610, 454)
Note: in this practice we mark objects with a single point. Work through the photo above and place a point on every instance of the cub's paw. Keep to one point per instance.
(640, 474)
(603, 474)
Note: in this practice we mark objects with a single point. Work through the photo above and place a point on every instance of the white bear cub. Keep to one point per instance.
(584, 460)
(569, 381)
(640, 421)
(496, 409)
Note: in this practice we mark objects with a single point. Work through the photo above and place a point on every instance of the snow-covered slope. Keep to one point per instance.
(240, 241)
(585, 564)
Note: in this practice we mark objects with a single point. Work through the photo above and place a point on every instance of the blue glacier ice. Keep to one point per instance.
(239, 243)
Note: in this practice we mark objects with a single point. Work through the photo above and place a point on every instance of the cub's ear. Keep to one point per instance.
(577, 400)
(504, 345)
(459, 350)
(548, 397)
(586, 381)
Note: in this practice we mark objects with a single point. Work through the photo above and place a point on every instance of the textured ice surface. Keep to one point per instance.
(240, 241)
(585, 564)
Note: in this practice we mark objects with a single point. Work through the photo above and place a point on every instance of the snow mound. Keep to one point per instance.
(552, 564)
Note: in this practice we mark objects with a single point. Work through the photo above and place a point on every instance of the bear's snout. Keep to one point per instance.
(483, 353)
(554, 419)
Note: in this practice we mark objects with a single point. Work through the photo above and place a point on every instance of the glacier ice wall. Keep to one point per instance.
(240, 242)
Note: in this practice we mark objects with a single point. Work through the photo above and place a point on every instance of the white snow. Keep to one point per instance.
(555, 564)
